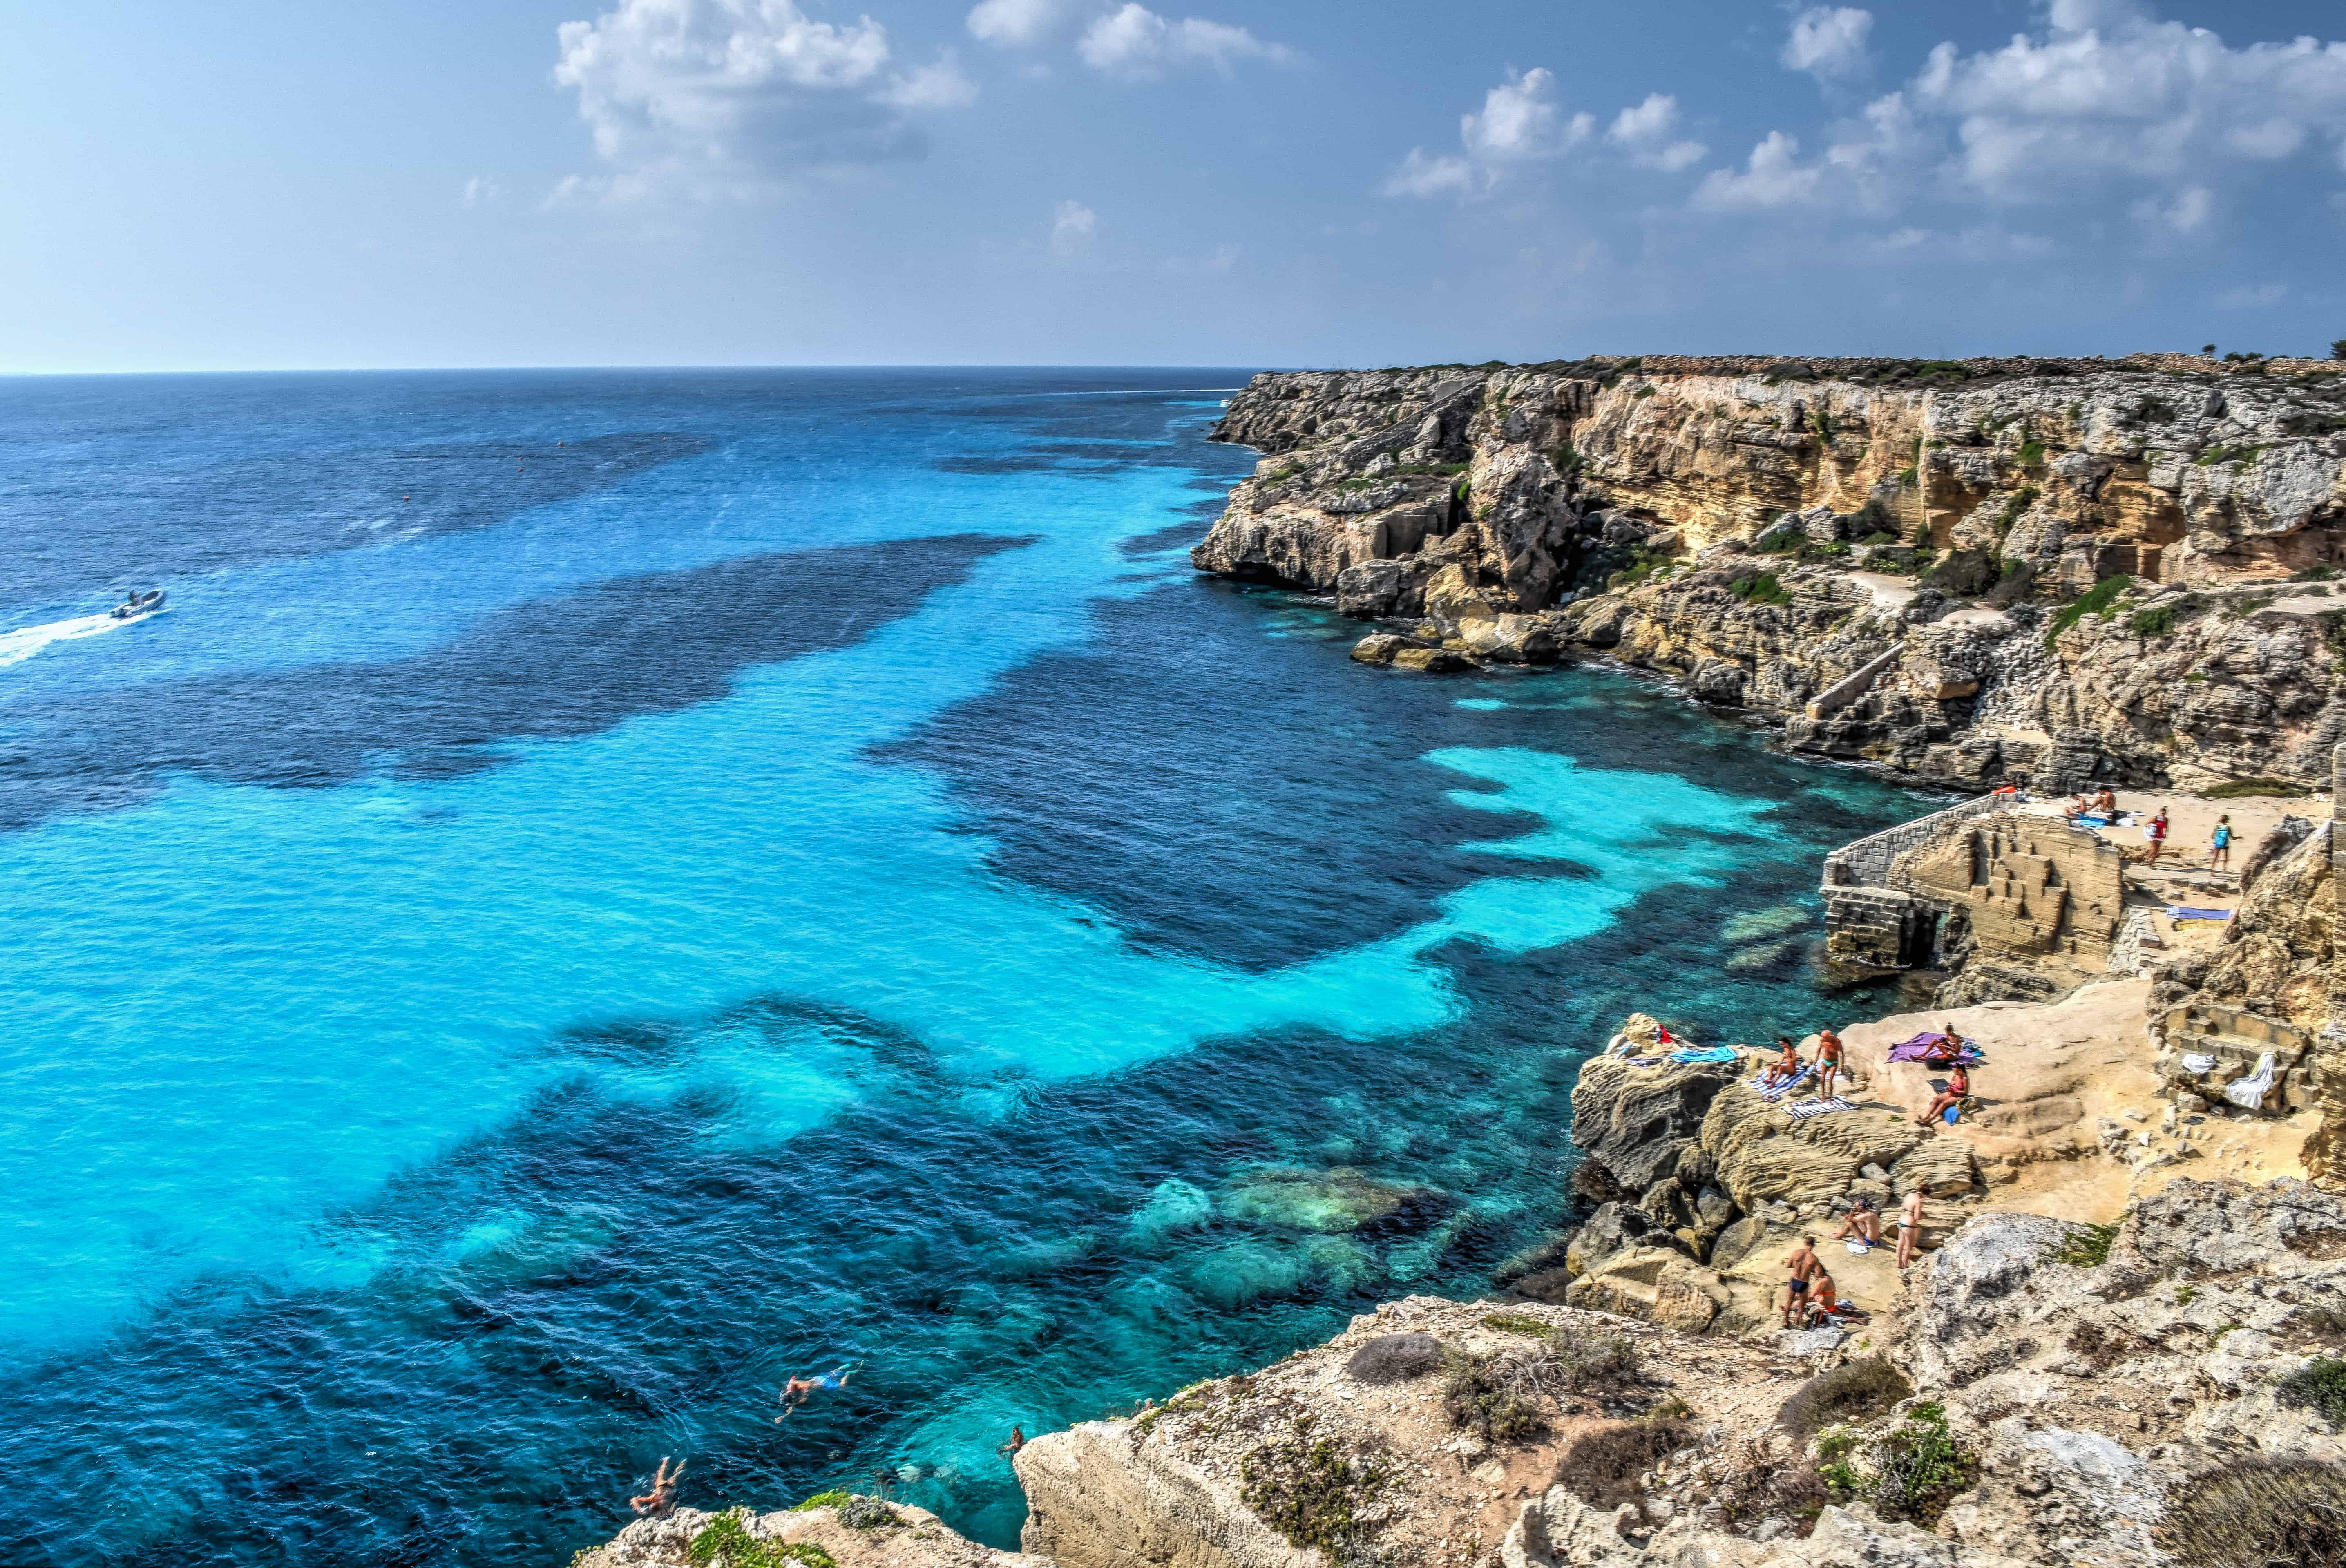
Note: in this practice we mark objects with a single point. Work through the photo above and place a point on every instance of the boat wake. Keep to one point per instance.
(18, 645)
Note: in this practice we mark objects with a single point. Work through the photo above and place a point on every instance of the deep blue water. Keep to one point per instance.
(605, 889)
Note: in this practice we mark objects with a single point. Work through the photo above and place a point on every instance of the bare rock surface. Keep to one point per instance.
(920, 1540)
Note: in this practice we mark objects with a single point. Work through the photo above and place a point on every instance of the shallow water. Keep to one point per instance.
(542, 943)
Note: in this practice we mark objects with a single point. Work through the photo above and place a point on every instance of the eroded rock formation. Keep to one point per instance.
(1705, 517)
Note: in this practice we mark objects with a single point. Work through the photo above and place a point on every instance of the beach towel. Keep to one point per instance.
(2196, 1064)
(1645, 1061)
(2181, 911)
(1789, 1084)
(1924, 1045)
(1948, 1115)
(2249, 1093)
(1808, 1108)
(1704, 1053)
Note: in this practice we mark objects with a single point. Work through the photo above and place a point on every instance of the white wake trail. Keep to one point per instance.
(21, 645)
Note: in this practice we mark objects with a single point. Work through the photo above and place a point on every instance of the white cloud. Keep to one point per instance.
(1136, 42)
(2187, 212)
(1016, 22)
(1072, 226)
(940, 86)
(1423, 176)
(2251, 297)
(1772, 177)
(1645, 132)
(481, 190)
(1520, 118)
(1828, 41)
(700, 95)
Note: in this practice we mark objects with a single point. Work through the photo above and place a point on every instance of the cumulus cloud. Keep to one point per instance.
(1520, 118)
(1773, 176)
(1646, 132)
(1072, 226)
(1135, 42)
(696, 95)
(1828, 41)
(2104, 95)
(1016, 22)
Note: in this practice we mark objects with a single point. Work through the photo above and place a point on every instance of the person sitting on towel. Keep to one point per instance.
(1958, 1089)
(1863, 1225)
(1822, 1301)
(2105, 804)
(1784, 1068)
(1944, 1047)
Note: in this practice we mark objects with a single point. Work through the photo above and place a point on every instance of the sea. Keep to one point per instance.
(603, 891)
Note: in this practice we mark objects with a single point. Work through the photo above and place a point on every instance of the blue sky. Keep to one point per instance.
(504, 182)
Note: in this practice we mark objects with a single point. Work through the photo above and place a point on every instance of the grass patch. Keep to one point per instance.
(1442, 470)
(2243, 789)
(832, 1499)
(1853, 1392)
(2319, 1385)
(2219, 452)
(2022, 499)
(1568, 460)
(1311, 1492)
(2155, 623)
(2092, 602)
(726, 1542)
(1516, 1323)
(2032, 454)
(2259, 1513)
(2085, 1247)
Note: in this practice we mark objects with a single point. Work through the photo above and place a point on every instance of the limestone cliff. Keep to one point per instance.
(2060, 1396)
(1711, 517)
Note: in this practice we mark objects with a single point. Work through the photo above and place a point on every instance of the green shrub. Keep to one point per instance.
(2032, 454)
(2092, 602)
(1394, 1358)
(2022, 499)
(2243, 789)
(2086, 1246)
(1311, 1492)
(726, 1542)
(1965, 574)
(1879, 537)
(1837, 1443)
(1917, 1469)
(2153, 623)
(1568, 460)
(1762, 588)
(2338, 349)
(1840, 1476)
(1516, 1323)
(1479, 1396)
(1602, 1466)
(1853, 1392)
(2259, 1513)
(832, 1499)
(2314, 574)
(867, 1514)
(2319, 1385)
(1909, 478)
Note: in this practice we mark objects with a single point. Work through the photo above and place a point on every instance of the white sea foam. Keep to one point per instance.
(18, 645)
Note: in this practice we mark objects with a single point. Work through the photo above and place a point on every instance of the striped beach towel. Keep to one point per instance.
(1808, 1108)
(1786, 1087)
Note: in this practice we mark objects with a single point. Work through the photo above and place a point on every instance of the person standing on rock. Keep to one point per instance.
(2219, 846)
(1910, 1227)
(2154, 834)
(1804, 1265)
(1829, 1050)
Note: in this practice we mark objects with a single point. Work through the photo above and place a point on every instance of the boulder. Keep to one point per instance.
(1636, 1121)
(1430, 661)
(1378, 647)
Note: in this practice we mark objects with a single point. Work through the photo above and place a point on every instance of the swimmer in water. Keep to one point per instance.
(797, 1390)
(662, 1496)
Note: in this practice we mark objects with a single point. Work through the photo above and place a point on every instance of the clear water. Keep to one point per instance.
(542, 942)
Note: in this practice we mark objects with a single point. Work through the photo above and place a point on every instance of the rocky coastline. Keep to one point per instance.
(2054, 571)
(2123, 1340)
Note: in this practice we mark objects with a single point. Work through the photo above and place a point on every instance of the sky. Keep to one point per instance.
(278, 184)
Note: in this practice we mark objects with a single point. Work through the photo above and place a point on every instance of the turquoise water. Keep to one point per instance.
(542, 942)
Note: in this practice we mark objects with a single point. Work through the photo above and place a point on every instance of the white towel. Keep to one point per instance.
(2249, 1093)
(2195, 1063)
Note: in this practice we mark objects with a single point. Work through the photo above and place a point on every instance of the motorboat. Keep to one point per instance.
(137, 604)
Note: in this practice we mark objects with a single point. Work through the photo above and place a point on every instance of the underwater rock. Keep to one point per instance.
(1340, 1199)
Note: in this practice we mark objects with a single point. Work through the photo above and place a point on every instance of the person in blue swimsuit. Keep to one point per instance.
(2219, 846)
(797, 1390)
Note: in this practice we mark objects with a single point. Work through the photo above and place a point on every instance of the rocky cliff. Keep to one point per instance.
(2056, 569)
(2162, 1391)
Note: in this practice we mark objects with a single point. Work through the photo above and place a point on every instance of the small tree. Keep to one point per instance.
(2208, 348)
(2338, 349)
